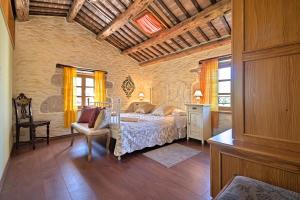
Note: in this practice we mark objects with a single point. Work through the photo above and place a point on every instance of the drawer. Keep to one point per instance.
(195, 108)
(195, 135)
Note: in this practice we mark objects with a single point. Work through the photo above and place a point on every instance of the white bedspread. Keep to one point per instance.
(147, 131)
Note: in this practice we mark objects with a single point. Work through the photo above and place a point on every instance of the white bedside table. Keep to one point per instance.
(198, 122)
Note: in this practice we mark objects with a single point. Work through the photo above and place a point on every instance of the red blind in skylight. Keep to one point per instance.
(149, 23)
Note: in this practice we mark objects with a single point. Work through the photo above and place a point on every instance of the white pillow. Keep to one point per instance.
(145, 109)
(179, 112)
(163, 110)
(103, 119)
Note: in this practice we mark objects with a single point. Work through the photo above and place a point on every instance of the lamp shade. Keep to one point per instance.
(141, 95)
(198, 93)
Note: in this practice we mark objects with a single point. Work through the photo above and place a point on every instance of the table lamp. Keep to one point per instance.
(198, 95)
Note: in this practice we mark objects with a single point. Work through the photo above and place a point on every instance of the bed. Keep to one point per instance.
(134, 131)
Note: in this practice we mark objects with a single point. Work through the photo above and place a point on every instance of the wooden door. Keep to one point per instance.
(266, 72)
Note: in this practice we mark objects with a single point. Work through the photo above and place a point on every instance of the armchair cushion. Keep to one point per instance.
(94, 117)
(86, 114)
(84, 128)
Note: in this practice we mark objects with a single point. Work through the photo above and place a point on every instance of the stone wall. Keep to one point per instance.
(175, 81)
(172, 80)
(42, 42)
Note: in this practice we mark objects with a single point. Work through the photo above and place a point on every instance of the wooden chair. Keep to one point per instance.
(24, 119)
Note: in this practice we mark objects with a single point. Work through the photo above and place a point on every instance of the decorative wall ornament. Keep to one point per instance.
(128, 86)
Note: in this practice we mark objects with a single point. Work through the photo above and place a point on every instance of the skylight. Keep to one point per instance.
(148, 23)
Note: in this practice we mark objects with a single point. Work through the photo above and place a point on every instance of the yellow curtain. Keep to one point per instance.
(70, 107)
(100, 87)
(209, 87)
(209, 83)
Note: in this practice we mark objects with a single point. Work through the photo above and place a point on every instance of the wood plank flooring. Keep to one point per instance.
(61, 172)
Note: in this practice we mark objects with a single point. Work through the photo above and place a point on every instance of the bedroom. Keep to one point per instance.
(128, 55)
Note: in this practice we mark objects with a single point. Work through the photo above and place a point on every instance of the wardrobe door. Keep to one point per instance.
(266, 72)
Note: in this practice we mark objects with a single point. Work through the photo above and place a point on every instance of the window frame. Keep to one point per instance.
(83, 87)
(225, 65)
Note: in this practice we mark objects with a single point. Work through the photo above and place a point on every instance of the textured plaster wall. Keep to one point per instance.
(42, 42)
(6, 63)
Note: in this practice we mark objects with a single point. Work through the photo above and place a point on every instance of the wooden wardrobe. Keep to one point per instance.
(265, 140)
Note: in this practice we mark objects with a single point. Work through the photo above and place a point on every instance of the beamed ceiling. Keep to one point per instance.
(190, 25)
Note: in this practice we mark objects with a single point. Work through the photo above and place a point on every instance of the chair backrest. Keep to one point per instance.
(22, 105)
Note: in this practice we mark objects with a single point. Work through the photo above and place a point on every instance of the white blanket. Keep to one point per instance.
(147, 131)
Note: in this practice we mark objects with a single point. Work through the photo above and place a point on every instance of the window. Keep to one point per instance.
(224, 86)
(84, 89)
(148, 23)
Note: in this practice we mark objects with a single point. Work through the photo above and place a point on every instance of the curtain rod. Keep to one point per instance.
(220, 57)
(61, 66)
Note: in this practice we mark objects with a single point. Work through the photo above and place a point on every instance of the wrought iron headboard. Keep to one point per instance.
(113, 108)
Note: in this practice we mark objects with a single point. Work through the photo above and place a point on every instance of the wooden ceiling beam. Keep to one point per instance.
(49, 5)
(203, 47)
(167, 9)
(187, 14)
(59, 2)
(170, 46)
(213, 29)
(22, 10)
(106, 9)
(135, 8)
(158, 51)
(163, 48)
(226, 24)
(177, 44)
(142, 55)
(136, 55)
(201, 19)
(205, 37)
(76, 6)
(135, 58)
(113, 6)
(119, 41)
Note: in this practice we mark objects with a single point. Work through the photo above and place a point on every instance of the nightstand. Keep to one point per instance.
(198, 122)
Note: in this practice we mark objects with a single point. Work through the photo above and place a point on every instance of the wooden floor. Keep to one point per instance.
(59, 172)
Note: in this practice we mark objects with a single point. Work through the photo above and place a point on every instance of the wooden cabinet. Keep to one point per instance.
(266, 72)
(230, 157)
(265, 140)
(198, 122)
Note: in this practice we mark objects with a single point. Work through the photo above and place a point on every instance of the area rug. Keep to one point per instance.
(172, 154)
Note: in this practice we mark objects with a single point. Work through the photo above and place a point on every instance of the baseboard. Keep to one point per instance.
(4, 174)
(51, 138)
(63, 136)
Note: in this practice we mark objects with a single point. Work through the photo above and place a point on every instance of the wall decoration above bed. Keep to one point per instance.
(128, 86)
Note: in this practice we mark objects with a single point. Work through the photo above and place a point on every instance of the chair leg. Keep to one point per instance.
(72, 133)
(33, 137)
(48, 133)
(89, 138)
(17, 137)
(30, 135)
(107, 142)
